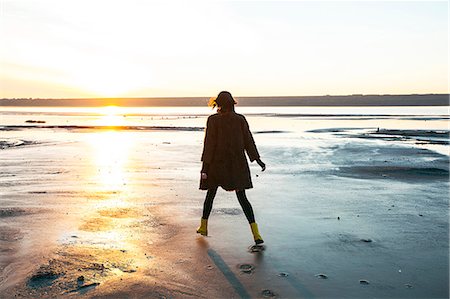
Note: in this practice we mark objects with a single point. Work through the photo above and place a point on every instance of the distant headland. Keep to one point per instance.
(328, 100)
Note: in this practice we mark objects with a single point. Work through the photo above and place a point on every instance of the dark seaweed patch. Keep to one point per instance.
(394, 172)
(12, 212)
(44, 277)
(5, 144)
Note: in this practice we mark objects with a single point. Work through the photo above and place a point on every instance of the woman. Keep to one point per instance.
(224, 163)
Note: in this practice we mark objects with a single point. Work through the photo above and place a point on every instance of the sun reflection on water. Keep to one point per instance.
(107, 224)
(111, 116)
(111, 152)
(109, 228)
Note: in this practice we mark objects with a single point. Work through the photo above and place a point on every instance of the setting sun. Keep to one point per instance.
(110, 116)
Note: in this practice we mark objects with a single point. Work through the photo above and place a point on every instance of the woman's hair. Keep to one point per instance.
(224, 102)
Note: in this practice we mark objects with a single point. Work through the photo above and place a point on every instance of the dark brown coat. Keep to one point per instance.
(227, 136)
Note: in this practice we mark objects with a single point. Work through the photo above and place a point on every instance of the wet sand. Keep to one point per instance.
(113, 214)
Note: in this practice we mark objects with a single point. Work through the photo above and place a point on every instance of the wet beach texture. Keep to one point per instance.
(349, 206)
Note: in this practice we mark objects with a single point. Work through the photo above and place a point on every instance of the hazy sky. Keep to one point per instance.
(191, 48)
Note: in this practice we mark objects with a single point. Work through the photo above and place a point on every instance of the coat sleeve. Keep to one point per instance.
(210, 142)
(249, 143)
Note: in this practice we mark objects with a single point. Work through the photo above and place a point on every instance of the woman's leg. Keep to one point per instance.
(246, 206)
(248, 211)
(207, 205)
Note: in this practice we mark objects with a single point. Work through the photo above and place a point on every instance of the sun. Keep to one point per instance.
(111, 116)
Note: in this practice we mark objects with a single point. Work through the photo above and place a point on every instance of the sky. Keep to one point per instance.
(134, 48)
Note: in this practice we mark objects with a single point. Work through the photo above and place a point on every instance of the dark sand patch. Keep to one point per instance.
(379, 161)
(31, 121)
(335, 130)
(420, 136)
(429, 140)
(13, 212)
(6, 144)
(9, 234)
(413, 133)
(428, 118)
(270, 132)
(347, 241)
(78, 269)
(394, 172)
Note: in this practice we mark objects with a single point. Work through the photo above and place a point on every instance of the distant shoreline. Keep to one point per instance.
(349, 100)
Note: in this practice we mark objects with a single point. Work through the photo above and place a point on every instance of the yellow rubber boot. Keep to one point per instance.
(203, 229)
(256, 235)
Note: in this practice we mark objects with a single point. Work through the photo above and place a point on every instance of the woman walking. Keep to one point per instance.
(224, 163)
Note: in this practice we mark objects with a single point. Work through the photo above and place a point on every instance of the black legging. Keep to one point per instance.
(243, 201)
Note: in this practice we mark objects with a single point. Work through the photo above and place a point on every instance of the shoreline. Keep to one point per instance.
(333, 101)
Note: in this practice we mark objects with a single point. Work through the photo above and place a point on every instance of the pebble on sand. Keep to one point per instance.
(366, 240)
(83, 288)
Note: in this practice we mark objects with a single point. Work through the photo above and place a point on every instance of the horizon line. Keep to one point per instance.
(197, 97)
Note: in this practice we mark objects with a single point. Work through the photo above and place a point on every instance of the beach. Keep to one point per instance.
(104, 202)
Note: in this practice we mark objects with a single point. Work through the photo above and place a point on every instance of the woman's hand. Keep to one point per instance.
(204, 176)
(261, 163)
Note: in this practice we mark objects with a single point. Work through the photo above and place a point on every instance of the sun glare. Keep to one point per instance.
(111, 116)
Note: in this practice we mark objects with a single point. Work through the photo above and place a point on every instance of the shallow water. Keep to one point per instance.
(86, 186)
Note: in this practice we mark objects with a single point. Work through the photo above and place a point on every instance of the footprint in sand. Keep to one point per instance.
(246, 268)
(256, 248)
(268, 293)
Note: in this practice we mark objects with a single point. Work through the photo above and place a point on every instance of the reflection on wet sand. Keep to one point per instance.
(107, 242)
(111, 150)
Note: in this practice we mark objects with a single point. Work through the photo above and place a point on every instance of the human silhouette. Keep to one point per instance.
(227, 138)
